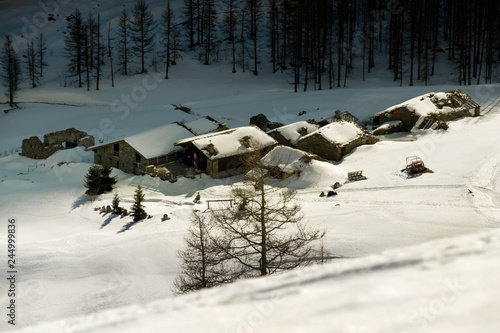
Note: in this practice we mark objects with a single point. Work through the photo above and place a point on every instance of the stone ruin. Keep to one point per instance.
(52, 142)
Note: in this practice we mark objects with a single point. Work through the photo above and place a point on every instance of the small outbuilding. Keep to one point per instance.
(221, 154)
(289, 135)
(335, 140)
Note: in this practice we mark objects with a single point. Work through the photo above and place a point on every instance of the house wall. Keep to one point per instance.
(318, 145)
(280, 138)
(231, 165)
(124, 160)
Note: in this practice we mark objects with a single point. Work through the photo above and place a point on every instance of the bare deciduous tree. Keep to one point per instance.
(143, 27)
(203, 264)
(11, 66)
(123, 41)
(262, 231)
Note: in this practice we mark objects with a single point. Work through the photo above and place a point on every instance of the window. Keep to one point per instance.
(116, 149)
(137, 157)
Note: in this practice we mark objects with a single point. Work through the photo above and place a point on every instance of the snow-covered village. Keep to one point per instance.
(249, 166)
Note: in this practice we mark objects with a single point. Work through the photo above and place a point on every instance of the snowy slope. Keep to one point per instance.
(76, 262)
(441, 286)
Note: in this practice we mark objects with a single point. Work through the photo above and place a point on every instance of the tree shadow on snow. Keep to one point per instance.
(108, 220)
(80, 201)
(128, 226)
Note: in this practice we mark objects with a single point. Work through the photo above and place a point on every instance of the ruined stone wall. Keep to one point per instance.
(444, 117)
(407, 117)
(364, 140)
(52, 142)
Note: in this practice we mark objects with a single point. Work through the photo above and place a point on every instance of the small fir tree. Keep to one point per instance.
(98, 180)
(197, 199)
(137, 209)
(115, 205)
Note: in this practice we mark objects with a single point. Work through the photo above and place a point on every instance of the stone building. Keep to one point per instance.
(221, 154)
(135, 153)
(426, 110)
(151, 151)
(52, 142)
(335, 140)
(288, 135)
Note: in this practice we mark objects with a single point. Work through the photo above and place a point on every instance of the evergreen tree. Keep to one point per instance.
(137, 208)
(143, 32)
(115, 205)
(98, 180)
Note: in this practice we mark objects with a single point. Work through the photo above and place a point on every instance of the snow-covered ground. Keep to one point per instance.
(408, 254)
(414, 254)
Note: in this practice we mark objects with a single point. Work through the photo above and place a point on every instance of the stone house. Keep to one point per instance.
(288, 135)
(151, 151)
(52, 142)
(335, 140)
(426, 110)
(221, 154)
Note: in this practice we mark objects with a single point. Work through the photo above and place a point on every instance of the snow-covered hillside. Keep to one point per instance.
(406, 254)
(74, 261)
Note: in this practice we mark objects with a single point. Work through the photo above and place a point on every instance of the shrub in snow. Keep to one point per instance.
(197, 200)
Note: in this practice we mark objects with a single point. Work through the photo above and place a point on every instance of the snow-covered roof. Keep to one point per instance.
(201, 126)
(291, 132)
(155, 142)
(340, 132)
(424, 104)
(286, 158)
(159, 141)
(231, 142)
